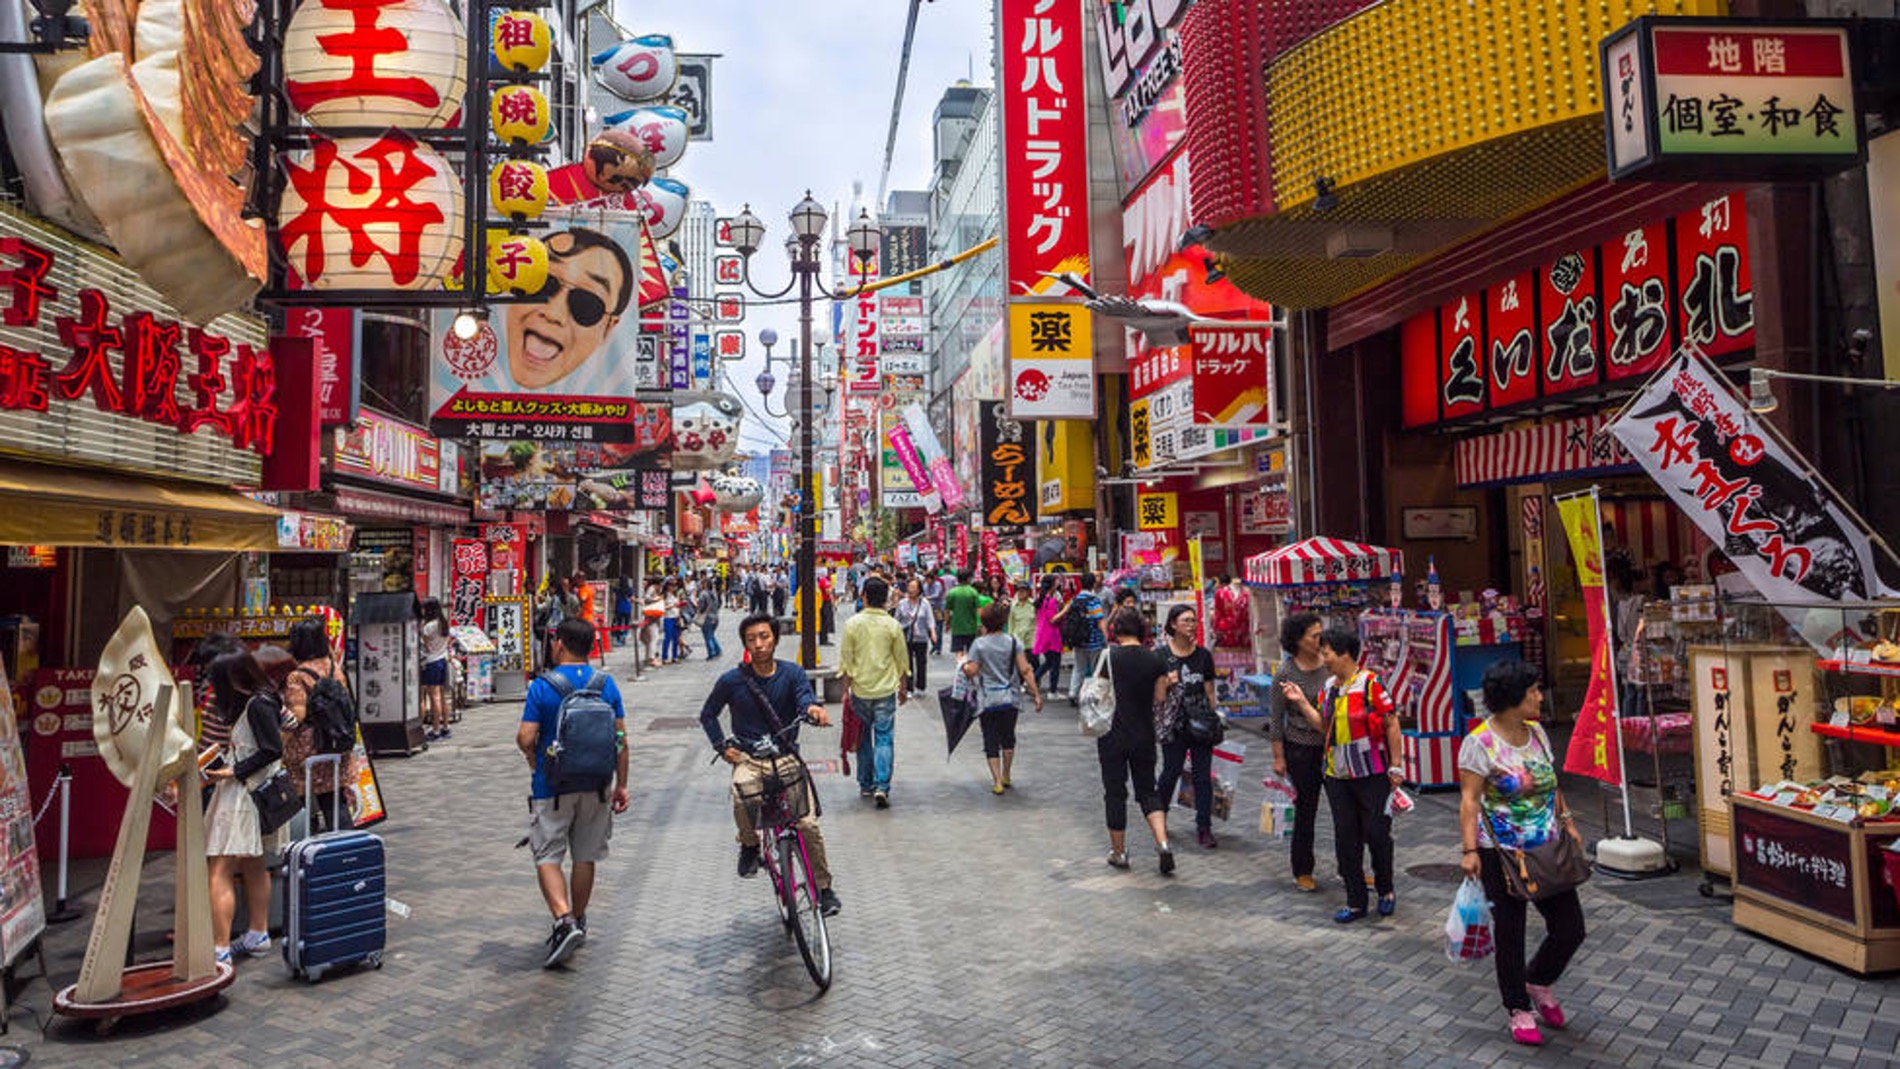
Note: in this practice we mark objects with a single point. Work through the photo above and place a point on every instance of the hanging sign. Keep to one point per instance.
(387, 450)
(1233, 376)
(1044, 144)
(1051, 361)
(1757, 499)
(1157, 511)
(1729, 100)
(1008, 469)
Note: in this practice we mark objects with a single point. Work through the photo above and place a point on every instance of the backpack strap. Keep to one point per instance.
(561, 684)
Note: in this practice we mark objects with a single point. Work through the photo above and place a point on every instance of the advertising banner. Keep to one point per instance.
(562, 368)
(1757, 499)
(1044, 143)
(943, 477)
(22, 910)
(336, 339)
(1233, 376)
(565, 475)
(1008, 470)
(1051, 361)
(1594, 749)
(468, 596)
(917, 478)
(388, 451)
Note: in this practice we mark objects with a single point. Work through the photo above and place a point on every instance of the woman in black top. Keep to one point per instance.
(1127, 752)
(1191, 668)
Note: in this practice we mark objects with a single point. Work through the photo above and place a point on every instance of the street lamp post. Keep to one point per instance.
(808, 226)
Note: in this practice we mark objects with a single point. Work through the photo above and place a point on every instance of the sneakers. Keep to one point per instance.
(865, 792)
(562, 942)
(882, 798)
(748, 862)
(1117, 859)
(1165, 859)
(580, 921)
(828, 903)
(1205, 837)
(1546, 1004)
(1524, 1029)
(996, 788)
(1348, 915)
(1306, 883)
(222, 955)
(252, 943)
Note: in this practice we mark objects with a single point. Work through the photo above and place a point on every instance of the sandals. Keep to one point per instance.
(1388, 903)
(1347, 915)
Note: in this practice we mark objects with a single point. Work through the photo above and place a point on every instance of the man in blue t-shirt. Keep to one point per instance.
(766, 696)
(582, 822)
(1088, 603)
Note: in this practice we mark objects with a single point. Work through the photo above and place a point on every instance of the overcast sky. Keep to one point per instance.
(802, 98)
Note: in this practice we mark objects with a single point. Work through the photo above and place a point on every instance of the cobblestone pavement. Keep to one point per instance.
(977, 931)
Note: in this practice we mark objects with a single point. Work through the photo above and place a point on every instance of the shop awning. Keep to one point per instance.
(370, 505)
(1569, 448)
(1323, 560)
(44, 505)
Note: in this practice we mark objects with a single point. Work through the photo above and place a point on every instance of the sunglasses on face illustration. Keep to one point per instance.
(585, 307)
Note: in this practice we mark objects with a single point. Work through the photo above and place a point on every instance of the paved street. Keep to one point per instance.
(977, 931)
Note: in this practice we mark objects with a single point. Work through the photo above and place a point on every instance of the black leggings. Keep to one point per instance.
(1123, 765)
(1306, 767)
(999, 731)
(1174, 753)
(1359, 821)
(919, 665)
(1563, 933)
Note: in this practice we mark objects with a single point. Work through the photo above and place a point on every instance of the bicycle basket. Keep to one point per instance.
(781, 781)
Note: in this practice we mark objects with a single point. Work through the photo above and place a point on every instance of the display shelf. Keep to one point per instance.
(1881, 736)
(1856, 668)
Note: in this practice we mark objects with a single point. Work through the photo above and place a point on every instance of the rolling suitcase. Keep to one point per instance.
(334, 894)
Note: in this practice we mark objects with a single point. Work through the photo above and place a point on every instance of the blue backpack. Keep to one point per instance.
(586, 747)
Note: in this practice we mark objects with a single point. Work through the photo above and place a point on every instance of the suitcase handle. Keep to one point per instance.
(336, 803)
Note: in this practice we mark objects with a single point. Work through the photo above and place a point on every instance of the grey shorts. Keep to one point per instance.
(581, 825)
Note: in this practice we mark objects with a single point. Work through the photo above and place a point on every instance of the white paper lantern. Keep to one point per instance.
(663, 130)
(641, 68)
(339, 72)
(380, 213)
(663, 200)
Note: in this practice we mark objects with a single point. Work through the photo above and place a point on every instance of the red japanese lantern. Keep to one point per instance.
(371, 213)
(375, 63)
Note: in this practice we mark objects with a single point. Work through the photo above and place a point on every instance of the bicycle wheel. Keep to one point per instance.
(808, 929)
(773, 858)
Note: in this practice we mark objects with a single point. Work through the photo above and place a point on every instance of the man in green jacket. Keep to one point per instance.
(960, 603)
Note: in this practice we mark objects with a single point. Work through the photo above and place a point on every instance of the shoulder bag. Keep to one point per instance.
(1097, 698)
(1550, 868)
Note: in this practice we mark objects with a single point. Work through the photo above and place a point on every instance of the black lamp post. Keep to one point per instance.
(808, 227)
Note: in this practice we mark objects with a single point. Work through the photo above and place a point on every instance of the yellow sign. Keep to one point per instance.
(1140, 436)
(1065, 466)
(1157, 512)
(1051, 361)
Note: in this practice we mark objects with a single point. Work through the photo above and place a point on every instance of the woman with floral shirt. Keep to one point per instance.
(1511, 801)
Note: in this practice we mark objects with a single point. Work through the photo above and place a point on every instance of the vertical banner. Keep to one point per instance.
(1006, 469)
(906, 450)
(1200, 590)
(1757, 499)
(22, 909)
(942, 478)
(1594, 748)
(467, 598)
(1044, 150)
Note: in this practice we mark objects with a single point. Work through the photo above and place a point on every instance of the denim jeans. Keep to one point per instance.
(670, 639)
(874, 747)
(709, 630)
(1084, 668)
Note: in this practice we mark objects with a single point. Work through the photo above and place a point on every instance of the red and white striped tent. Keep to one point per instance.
(1323, 560)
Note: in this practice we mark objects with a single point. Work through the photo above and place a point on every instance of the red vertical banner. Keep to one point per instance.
(1639, 329)
(469, 559)
(1418, 371)
(1715, 293)
(1510, 327)
(1461, 365)
(1044, 144)
(423, 563)
(1570, 321)
(963, 546)
(990, 565)
(1594, 749)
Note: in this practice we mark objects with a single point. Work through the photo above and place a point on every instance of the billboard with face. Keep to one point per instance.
(560, 366)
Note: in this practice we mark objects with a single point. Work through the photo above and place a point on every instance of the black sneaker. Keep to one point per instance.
(1166, 856)
(828, 903)
(748, 862)
(580, 921)
(562, 942)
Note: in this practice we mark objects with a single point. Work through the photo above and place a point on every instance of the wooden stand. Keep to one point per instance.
(107, 990)
(1816, 884)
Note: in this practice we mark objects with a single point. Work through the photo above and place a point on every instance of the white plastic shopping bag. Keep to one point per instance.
(1276, 811)
(1468, 935)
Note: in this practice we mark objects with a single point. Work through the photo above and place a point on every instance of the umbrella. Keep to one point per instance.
(959, 712)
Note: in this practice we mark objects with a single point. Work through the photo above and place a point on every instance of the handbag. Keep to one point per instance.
(1546, 870)
(276, 800)
(1097, 699)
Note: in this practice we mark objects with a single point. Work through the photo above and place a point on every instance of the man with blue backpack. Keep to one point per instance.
(573, 731)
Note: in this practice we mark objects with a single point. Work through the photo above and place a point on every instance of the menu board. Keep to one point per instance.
(22, 911)
(1795, 860)
(383, 658)
(508, 627)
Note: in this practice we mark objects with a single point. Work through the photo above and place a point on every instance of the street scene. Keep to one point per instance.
(1064, 533)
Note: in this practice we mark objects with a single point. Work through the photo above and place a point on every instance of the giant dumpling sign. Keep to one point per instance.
(638, 69)
(705, 429)
(736, 493)
(124, 700)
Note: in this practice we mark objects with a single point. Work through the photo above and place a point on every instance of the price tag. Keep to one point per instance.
(1839, 719)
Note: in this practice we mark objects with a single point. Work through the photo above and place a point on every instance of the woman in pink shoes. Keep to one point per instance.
(1511, 801)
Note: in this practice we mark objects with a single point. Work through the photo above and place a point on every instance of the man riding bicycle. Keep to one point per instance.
(767, 699)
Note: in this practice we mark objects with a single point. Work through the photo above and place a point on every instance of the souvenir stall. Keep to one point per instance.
(1798, 771)
(1433, 664)
(1330, 576)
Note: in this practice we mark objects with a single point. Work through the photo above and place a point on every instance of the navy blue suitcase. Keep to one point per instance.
(335, 886)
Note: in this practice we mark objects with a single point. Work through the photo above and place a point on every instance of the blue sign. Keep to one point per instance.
(679, 343)
(702, 360)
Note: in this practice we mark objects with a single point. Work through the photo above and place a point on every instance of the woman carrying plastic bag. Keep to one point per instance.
(1468, 935)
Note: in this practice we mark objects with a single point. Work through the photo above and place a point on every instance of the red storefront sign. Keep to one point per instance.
(1610, 312)
(469, 558)
(1233, 376)
(389, 451)
(1156, 368)
(334, 333)
(1045, 143)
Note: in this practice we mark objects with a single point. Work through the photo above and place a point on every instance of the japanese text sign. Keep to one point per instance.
(1008, 468)
(1157, 512)
(1233, 376)
(388, 451)
(1732, 100)
(1044, 142)
(1799, 546)
(1051, 361)
(1590, 316)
